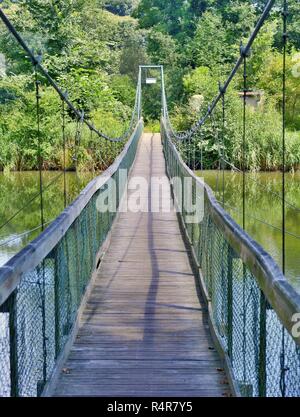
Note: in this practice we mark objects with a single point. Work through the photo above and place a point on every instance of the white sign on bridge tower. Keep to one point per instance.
(151, 80)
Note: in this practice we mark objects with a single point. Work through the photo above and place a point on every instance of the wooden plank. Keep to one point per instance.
(144, 331)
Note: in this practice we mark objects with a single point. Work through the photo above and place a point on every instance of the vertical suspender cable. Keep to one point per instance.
(75, 157)
(284, 131)
(201, 157)
(189, 152)
(194, 154)
(41, 285)
(79, 126)
(223, 148)
(216, 139)
(162, 93)
(140, 94)
(284, 39)
(64, 151)
(92, 146)
(244, 56)
(244, 139)
(40, 158)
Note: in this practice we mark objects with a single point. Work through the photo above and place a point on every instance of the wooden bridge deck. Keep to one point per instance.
(144, 330)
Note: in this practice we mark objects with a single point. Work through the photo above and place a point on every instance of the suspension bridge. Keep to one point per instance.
(120, 302)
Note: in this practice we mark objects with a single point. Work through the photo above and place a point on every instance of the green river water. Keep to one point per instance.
(18, 188)
(263, 209)
(264, 212)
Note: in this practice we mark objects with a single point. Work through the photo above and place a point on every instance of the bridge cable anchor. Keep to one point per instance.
(244, 51)
(65, 95)
(82, 116)
(37, 59)
(222, 89)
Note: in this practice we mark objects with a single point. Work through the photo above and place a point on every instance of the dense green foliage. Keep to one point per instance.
(93, 49)
(205, 38)
(85, 49)
(121, 7)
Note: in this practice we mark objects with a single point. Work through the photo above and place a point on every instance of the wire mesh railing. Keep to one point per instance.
(252, 306)
(42, 287)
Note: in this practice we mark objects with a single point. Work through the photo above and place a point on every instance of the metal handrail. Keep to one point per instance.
(34, 253)
(281, 295)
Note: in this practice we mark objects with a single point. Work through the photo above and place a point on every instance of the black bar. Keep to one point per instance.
(57, 304)
(40, 156)
(262, 375)
(230, 302)
(284, 76)
(64, 151)
(244, 141)
(13, 347)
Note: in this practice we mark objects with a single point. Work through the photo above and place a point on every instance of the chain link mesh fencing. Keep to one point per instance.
(37, 319)
(264, 358)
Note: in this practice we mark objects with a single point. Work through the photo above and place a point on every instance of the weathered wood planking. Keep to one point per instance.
(144, 331)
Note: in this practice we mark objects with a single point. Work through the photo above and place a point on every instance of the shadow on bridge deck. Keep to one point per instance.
(144, 330)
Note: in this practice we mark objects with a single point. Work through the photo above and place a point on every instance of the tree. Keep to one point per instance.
(162, 48)
(167, 17)
(133, 52)
(210, 47)
(121, 7)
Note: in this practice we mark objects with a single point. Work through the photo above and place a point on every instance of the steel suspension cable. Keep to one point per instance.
(31, 200)
(216, 135)
(276, 194)
(249, 178)
(244, 136)
(223, 144)
(36, 61)
(244, 55)
(40, 157)
(20, 235)
(64, 151)
(284, 37)
(185, 135)
(194, 155)
(78, 133)
(284, 369)
(251, 216)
